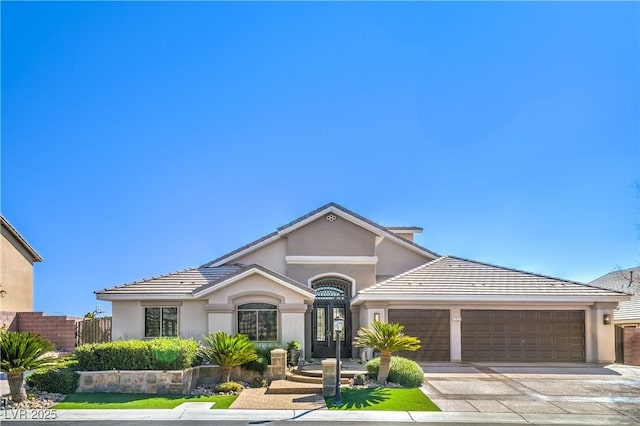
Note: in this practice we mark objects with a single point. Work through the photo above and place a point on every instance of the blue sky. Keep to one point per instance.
(143, 138)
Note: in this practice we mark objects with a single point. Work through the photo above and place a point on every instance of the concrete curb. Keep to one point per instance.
(313, 415)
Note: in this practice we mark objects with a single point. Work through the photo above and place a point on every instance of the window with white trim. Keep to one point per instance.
(161, 322)
(259, 321)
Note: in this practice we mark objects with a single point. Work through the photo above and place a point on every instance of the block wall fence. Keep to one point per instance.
(60, 330)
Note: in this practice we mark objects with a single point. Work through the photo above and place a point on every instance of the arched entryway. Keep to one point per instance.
(333, 296)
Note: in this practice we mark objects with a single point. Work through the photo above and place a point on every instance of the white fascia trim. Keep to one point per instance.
(405, 231)
(145, 296)
(246, 274)
(245, 251)
(332, 260)
(361, 298)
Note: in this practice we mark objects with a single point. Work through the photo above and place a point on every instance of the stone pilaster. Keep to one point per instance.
(329, 377)
(279, 364)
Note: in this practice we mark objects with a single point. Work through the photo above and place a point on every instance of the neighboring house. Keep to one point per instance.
(627, 314)
(16, 276)
(291, 283)
(626, 317)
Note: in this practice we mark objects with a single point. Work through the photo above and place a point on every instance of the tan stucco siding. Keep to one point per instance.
(272, 256)
(393, 259)
(255, 287)
(128, 318)
(16, 277)
(337, 238)
(192, 319)
(364, 275)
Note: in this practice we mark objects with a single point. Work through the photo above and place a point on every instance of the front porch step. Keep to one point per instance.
(305, 378)
(291, 387)
(318, 373)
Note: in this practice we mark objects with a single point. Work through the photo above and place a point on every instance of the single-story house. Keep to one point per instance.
(291, 283)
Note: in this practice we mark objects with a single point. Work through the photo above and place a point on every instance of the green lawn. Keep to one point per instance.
(383, 399)
(118, 401)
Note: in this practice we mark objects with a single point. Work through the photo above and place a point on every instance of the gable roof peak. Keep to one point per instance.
(311, 216)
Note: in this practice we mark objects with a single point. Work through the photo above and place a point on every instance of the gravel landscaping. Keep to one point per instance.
(37, 400)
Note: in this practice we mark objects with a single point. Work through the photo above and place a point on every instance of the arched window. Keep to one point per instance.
(332, 288)
(259, 321)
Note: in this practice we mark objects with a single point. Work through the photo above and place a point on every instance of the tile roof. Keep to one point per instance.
(453, 276)
(628, 281)
(246, 268)
(181, 282)
(311, 214)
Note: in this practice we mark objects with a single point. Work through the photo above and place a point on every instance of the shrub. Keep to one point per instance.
(54, 379)
(405, 372)
(261, 363)
(228, 387)
(293, 352)
(259, 382)
(156, 354)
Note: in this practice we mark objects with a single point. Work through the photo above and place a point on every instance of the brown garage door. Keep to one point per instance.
(431, 326)
(523, 335)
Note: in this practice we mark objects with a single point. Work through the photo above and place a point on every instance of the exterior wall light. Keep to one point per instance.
(376, 316)
(606, 319)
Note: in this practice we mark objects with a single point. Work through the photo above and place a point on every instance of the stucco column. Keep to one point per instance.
(292, 320)
(602, 335)
(455, 335)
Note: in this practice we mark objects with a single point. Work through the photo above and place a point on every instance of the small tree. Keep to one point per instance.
(21, 351)
(228, 351)
(385, 338)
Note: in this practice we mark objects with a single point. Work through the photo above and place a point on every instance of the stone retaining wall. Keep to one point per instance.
(173, 381)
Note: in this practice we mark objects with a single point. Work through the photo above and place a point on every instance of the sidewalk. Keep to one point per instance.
(258, 416)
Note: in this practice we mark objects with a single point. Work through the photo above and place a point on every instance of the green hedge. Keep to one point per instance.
(261, 363)
(54, 379)
(403, 371)
(59, 378)
(156, 354)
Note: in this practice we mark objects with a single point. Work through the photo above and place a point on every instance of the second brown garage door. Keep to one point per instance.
(431, 326)
(492, 335)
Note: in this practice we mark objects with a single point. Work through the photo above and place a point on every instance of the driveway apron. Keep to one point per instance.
(535, 389)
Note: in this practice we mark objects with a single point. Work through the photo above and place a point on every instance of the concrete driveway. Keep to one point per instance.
(533, 389)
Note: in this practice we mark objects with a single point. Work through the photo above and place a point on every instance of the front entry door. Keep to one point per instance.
(332, 300)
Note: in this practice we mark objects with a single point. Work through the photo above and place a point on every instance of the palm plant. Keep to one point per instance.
(227, 351)
(385, 338)
(21, 351)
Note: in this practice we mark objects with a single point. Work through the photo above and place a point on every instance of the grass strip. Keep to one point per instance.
(119, 401)
(383, 399)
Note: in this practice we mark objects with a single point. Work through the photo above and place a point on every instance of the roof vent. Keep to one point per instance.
(331, 217)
